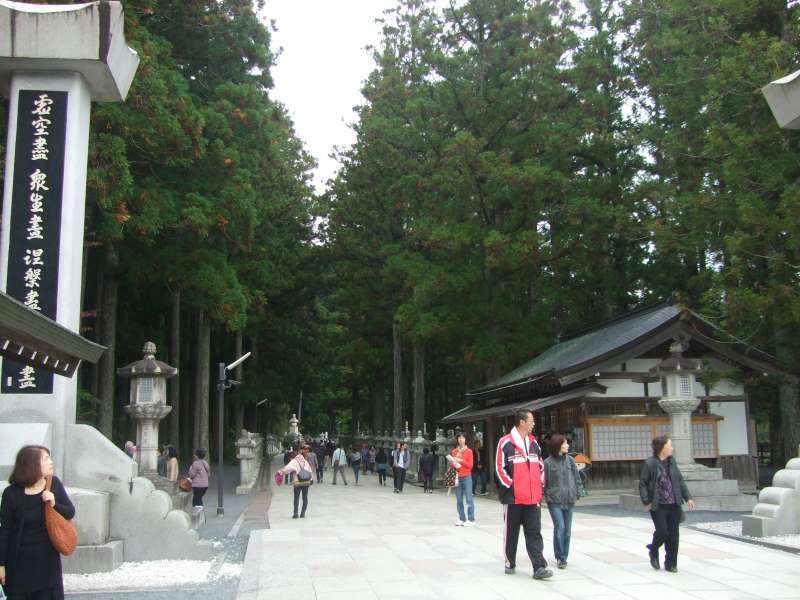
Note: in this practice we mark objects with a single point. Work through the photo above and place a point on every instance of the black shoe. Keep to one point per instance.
(562, 564)
(294, 516)
(653, 557)
(302, 516)
(542, 573)
(510, 570)
(671, 569)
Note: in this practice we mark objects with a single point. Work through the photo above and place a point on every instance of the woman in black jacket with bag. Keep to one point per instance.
(663, 490)
(30, 567)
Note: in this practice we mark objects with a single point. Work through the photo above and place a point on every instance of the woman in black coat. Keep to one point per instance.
(30, 568)
(662, 491)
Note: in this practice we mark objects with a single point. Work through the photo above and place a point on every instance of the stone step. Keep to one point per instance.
(92, 510)
(96, 558)
(738, 503)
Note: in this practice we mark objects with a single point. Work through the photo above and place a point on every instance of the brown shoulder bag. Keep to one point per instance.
(62, 532)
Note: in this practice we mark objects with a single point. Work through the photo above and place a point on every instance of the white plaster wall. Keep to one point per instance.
(620, 388)
(733, 428)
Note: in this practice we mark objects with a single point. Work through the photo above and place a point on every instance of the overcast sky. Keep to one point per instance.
(321, 68)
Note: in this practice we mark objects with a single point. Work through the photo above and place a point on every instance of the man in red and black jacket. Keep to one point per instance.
(520, 472)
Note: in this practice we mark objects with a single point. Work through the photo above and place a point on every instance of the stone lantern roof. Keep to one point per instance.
(148, 366)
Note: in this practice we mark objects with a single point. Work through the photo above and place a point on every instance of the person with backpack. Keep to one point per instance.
(300, 467)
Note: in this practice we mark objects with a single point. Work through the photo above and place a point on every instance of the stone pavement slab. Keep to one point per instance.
(366, 542)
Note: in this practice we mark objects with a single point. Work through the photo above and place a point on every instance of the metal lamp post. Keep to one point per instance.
(223, 383)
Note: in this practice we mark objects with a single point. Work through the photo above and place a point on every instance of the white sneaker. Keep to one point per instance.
(469, 524)
(459, 523)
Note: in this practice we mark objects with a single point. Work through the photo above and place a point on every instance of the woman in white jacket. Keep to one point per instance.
(304, 477)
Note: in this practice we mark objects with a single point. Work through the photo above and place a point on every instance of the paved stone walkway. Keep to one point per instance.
(366, 542)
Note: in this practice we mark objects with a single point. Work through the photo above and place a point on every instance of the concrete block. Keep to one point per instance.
(85, 38)
(91, 515)
(94, 559)
(719, 487)
(754, 526)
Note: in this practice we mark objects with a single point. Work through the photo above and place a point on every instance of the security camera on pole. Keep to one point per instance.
(223, 383)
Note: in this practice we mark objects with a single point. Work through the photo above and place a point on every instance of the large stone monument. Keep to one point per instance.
(778, 508)
(706, 484)
(54, 61)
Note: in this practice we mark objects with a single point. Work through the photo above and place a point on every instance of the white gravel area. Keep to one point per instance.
(735, 528)
(155, 574)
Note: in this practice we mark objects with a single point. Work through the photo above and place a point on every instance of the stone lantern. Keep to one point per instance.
(677, 375)
(148, 404)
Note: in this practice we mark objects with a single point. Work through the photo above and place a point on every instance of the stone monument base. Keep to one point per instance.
(778, 508)
(709, 491)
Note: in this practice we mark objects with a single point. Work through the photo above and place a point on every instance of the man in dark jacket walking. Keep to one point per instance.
(520, 475)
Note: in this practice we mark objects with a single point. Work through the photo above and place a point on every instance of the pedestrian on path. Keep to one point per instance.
(199, 473)
(339, 459)
(30, 567)
(173, 468)
(401, 458)
(355, 462)
(381, 462)
(320, 454)
(462, 460)
(312, 460)
(562, 490)
(371, 459)
(479, 468)
(520, 472)
(300, 467)
(427, 464)
(364, 457)
(663, 490)
(288, 455)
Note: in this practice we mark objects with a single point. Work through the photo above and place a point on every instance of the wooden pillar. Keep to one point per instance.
(490, 444)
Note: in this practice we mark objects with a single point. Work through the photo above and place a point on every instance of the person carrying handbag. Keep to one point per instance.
(304, 478)
(199, 473)
(30, 565)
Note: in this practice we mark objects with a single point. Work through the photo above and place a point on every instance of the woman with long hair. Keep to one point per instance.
(30, 567)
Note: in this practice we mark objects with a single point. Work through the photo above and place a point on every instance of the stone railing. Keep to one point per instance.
(250, 452)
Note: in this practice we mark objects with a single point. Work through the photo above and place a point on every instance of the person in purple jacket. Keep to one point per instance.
(199, 473)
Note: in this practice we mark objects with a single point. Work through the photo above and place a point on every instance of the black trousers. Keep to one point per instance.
(530, 517)
(381, 476)
(427, 481)
(197, 495)
(320, 472)
(399, 478)
(666, 518)
(300, 489)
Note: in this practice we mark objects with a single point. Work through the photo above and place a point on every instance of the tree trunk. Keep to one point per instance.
(238, 405)
(397, 413)
(788, 400)
(419, 385)
(108, 334)
(378, 398)
(175, 382)
(355, 401)
(203, 376)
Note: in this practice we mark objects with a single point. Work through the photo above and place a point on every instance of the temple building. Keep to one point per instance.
(598, 388)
